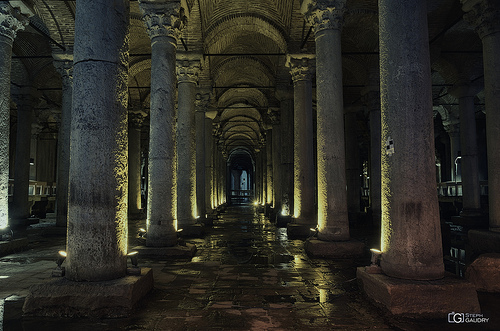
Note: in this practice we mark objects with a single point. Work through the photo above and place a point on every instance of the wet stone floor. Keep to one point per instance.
(246, 275)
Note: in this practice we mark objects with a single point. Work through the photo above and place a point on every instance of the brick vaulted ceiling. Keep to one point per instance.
(243, 46)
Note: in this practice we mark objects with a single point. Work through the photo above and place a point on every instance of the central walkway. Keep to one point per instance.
(246, 275)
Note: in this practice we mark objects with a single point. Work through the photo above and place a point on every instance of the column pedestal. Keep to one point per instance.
(419, 299)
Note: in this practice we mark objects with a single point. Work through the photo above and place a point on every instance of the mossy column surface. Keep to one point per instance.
(163, 24)
(411, 234)
(484, 15)
(97, 209)
(11, 21)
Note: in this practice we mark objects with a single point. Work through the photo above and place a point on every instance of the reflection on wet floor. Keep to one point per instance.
(246, 275)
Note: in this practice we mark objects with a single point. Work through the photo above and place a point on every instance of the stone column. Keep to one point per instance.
(11, 21)
(471, 191)
(411, 234)
(276, 159)
(187, 74)
(352, 164)
(162, 22)
(201, 103)
(26, 99)
(454, 134)
(301, 68)
(373, 105)
(269, 167)
(135, 119)
(286, 162)
(64, 65)
(97, 211)
(327, 18)
(484, 15)
(209, 162)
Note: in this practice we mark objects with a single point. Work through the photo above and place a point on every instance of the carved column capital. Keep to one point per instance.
(202, 101)
(188, 70)
(482, 15)
(13, 19)
(324, 14)
(64, 68)
(273, 114)
(163, 19)
(301, 66)
(136, 118)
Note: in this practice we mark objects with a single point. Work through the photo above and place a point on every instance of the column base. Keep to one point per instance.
(484, 273)
(299, 231)
(334, 249)
(174, 251)
(484, 241)
(419, 299)
(65, 298)
(14, 245)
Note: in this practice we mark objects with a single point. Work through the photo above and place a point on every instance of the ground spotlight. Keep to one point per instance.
(141, 233)
(134, 270)
(59, 271)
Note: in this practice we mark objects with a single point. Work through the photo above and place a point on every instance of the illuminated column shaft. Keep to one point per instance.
(26, 101)
(327, 17)
(484, 15)
(411, 234)
(375, 152)
(301, 69)
(209, 168)
(64, 66)
(187, 74)
(263, 167)
(161, 208)
(471, 191)
(286, 168)
(200, 155)
(134, 163)
(276, 166)
(11, 21)
(97, 210)
(269, 167)
(352, 163)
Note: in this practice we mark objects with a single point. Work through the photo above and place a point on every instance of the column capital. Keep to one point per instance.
(163, 18)
(482, 15)
(188, 70)
(201, 102)
(274, 115)
(36, 129)
(13, 18)
(64, 66)
(302, 66)
(136, 118)
(324, 14)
